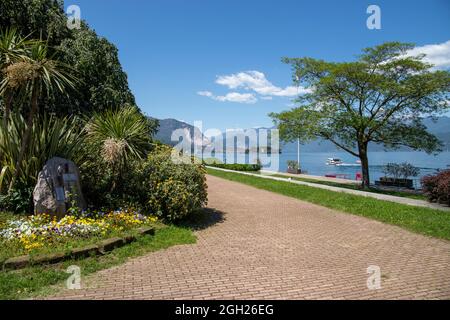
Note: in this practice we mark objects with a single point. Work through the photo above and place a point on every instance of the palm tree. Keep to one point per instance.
(37, 74)
(118, 137)
(12, 48)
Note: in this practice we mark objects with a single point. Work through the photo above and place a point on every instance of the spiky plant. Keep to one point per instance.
(118, 137)
(37, 74)
(50, 137)
(13, 47)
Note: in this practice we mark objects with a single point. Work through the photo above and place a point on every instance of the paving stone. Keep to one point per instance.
(264, 245)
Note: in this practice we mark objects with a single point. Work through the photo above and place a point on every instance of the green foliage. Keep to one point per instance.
(404, 170)
(117, 141)
(157, 185)
(171, 199)
(237, 166)
(19, 200)
(379, 98)
(119, 136)
(211, 161)
(173, 190)
(35, 74)
(38, 18)
(437, 187)
(50, 137)
(293, 164)
(103, 84)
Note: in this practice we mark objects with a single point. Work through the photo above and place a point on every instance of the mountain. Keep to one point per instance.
(168, 126)
(441, 128)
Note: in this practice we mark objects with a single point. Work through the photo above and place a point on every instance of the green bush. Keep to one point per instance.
(172, 191)
(50, 137)
(19, 200)
(156, 185)
(237, 166)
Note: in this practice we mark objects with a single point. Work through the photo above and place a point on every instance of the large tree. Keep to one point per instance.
(103, 84)
(381, 97)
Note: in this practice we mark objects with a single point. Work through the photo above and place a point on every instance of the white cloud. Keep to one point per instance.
(231, 97)
(436, 54)
(257, 81)
(205, 93)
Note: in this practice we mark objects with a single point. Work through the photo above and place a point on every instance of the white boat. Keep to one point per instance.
(334, 161)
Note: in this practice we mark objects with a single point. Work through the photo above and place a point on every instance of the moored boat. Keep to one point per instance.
(333, 161)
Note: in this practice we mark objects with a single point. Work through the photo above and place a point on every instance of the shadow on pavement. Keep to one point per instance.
(203, 219)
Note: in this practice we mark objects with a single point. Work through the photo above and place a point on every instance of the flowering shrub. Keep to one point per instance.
(171, 199)
(35, 231)
(170, 190)
(437, 187)
(157, 184)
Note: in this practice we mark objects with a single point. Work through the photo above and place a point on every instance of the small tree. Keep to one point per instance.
(379, 98)
(408, 170)
(293, 164)
(117, 138)
(34, 75)
(12, 48)
(393, 170)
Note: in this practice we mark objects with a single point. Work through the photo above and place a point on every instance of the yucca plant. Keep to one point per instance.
(50, 136)
(35, 75)
(118, 137)
(13, 47)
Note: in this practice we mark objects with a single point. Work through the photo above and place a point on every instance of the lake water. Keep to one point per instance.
(315, 162)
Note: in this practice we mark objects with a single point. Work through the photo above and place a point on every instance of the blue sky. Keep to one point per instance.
(185, 58)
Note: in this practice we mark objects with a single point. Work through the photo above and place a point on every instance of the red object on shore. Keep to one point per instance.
(358, 176)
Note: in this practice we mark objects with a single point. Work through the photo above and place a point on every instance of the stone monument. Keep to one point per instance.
(57, 188)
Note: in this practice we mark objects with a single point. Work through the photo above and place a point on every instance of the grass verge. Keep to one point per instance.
(403, 194)
(430, 222)
(44, 280)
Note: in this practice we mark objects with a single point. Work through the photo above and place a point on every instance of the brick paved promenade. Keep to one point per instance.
(268, 246)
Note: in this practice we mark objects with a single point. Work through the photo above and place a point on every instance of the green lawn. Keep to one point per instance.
(426, 221)
(403, 194)
(39, 280)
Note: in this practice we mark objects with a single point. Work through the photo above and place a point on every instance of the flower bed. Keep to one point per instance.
(37, 232)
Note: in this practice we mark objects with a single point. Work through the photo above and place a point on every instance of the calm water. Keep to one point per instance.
(314, 162)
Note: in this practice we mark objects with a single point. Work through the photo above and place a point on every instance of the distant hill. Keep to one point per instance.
(168, 126)
(441, 128)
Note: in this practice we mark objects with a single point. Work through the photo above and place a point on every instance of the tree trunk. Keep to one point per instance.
(364, 166)
(26, 137)
(8, 100)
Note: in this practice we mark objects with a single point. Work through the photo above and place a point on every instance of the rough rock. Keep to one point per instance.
(57, 187)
